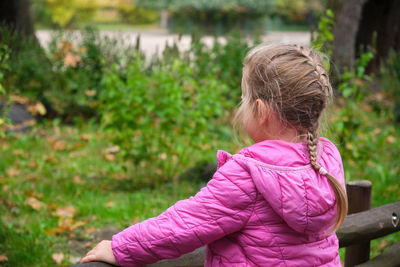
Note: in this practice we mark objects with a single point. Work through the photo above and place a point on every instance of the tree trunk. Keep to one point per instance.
(16, 16)
(348, 16)
(379, 27)
(357, 21)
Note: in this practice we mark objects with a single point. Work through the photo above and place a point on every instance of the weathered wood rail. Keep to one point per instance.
(355, 234)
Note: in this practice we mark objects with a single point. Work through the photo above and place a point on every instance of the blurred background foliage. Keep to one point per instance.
(215, 17)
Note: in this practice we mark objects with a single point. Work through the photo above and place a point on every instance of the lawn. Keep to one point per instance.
(60, 185)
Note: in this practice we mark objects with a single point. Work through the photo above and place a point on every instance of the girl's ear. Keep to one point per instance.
(262, 111)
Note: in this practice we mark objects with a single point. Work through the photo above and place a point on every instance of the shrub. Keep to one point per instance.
(66, 77)
(165, 119)
(4, 66)
(226, 59)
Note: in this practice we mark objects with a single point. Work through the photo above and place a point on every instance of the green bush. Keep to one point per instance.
(30, 72)
(133, 14)
(77, 67)
(226, 59)
(168, 114)
(216, 22)
(4, 65)
(66, 77)
(165, 119)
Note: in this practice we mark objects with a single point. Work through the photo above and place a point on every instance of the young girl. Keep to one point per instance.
(275, 203)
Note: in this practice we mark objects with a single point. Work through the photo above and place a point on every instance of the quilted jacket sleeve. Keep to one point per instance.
(220, 208)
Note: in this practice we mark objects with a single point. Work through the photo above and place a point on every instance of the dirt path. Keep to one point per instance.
(154, 41)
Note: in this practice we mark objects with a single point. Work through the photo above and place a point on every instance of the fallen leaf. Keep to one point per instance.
(112, 150)
(49, 158)
(349, 146)
(65, 212)
(379, 96)
(58, 145)
(37, 108)
(53, 231)
(90, 230)
(64, 224)
(29, 193)
(19, 99)
(18, 126)
(65, 45)
(34, 164)
(57, 257)
(82, 49)
(109, 157)
(383, 245)
(109, 203)
(53, 206)
(12, 172)
(390, 139)
(19, 152)
(78, 180)
(376, 131)
(34, 203)
(77, 224)
(3, 257)
(119, 176)
(71, 59)
(90, 92)
(85, 137)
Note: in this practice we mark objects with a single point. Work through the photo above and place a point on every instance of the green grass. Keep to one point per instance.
(59, 167)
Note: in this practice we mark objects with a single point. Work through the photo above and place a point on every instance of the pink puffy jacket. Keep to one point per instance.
(265, 206)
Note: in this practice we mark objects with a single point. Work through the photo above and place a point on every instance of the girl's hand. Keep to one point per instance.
(102, 252)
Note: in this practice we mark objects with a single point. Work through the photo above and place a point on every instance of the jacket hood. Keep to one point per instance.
(281, 172)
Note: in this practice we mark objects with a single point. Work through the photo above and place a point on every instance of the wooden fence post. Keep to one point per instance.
(359, 196)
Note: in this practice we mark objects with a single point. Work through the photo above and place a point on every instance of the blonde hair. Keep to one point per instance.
(293, 81)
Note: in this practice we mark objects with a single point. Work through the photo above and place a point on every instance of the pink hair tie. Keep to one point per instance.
(323, 171)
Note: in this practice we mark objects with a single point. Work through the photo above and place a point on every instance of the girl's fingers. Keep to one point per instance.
(101, 252)
(88, 258)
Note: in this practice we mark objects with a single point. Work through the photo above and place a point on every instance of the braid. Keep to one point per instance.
(340, 194)
(312, 142)
(314, 60)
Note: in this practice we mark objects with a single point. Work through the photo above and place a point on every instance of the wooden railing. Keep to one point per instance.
(361, 225)
(364, 224)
